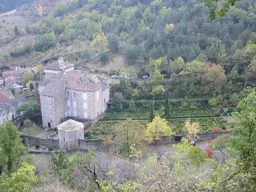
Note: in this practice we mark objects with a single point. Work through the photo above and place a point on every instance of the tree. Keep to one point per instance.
(16, 31)
(129, 134)
(216, 10)
(39, 68)
(24, 179)
(104, 57)
(196, 155)
(40, 11)
(132, 53)
(157, 130)
(166, 105)
(30, 110)
(158, 92)
(100, 42)
(45, 42)
(216, 53)
(11, 147)
(113, 43)
(28, 76)
(245, 134)
(193, 128)
(215, 78)
(251, 69)
(30, 85)
(151, 111)
(169, 28)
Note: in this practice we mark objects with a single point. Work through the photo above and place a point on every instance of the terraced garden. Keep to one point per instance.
(177, 117)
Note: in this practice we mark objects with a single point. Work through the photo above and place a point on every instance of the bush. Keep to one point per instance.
(103, 57)
(28, 123)
(21, 51)
(45, 42)
(215, 130)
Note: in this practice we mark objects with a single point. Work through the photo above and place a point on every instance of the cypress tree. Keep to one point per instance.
(166, 106)
(151, 111)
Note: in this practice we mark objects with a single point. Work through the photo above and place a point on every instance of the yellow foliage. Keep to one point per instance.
(169, 28)
(100, 42)
(40, 11)
(192, 128)
(157, 129)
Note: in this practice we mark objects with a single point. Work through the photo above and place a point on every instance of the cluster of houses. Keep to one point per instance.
(65, 93)
(10, 83)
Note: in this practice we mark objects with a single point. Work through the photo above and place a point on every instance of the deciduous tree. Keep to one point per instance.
(11, 147)
(157, 130)
(129, 134)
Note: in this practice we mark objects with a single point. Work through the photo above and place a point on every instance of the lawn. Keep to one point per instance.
(36, 131)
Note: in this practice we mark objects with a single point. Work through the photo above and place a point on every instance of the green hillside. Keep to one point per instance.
(7, 5)
(174, 39)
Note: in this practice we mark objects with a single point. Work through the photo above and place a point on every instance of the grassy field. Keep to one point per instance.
(36, 131)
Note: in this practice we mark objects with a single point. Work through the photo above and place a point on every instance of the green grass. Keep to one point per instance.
(36, 131)
(190, 112)
(32, 130)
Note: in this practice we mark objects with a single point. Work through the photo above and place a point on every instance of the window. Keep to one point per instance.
(74, 94)
(85, 106)
(98, 95)
(74, 113)
(85, 115)
(74, 104)
(68, 93)
(68, 103)
(85, 96)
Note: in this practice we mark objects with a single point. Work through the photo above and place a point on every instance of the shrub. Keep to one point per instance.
(28, 123)
(45, 42)
(209, 152)
(215, 130)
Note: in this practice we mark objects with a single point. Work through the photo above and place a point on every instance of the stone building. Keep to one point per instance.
(70, 93)
(69, 134)
(55, 68)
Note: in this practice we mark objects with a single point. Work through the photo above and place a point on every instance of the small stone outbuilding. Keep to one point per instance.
(69, 133)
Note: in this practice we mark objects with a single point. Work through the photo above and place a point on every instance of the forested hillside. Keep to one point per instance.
(167, 40)
(7, 5)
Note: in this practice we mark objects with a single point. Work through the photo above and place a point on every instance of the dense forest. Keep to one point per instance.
(173, 42)
(6, 5)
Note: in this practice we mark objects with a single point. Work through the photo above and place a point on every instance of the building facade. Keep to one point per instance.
(69, 134)
(72, 94)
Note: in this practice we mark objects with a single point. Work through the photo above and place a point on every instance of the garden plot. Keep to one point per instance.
(205, 123)
(122, 115)
(102, 128)
(190, 112)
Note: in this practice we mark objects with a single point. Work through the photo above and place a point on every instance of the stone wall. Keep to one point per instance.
(33, 141)
(84, 145)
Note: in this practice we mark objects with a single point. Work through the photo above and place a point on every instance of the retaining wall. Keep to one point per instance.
(84, 145)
